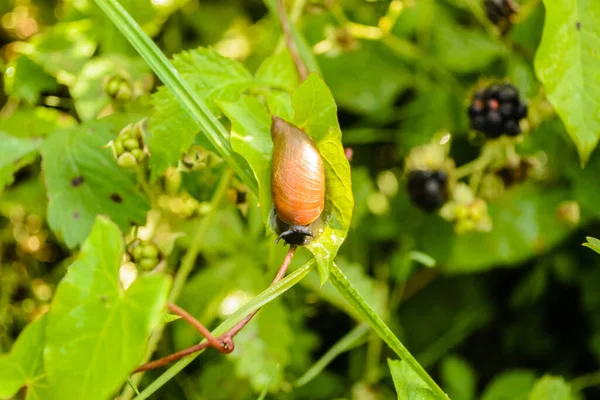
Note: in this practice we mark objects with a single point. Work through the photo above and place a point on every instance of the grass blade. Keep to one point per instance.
(163, 68)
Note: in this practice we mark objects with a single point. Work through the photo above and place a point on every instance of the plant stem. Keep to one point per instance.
(289, 39)
(345, 287)
(585, 381)
(225, 342)
(185, 268)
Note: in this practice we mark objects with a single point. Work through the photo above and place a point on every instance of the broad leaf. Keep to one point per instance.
(212, 78)
(510, 385)
(550, 388)
(24, 365)
(27, 80)
(84, 180)
(458, 378)
(567, 62)
(97, 331)
(15, 153)
(278, 72)
(409, 386)
(39, 121)
(316, 114)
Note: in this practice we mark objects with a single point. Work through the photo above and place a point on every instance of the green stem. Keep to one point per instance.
(268, 295)
(585, 381)
(346, 288)
(195, 107)
(187, 264)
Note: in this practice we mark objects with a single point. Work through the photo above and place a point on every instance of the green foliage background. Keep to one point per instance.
(508, 314)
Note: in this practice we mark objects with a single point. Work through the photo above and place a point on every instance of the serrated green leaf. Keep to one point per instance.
(213, 78)
(97, 331)
(550, 388)
(407, 383)
(27, 80)
(278, 72)
(567, 62)
(510, 385)
(89, 94)
(592, 243)
(316, 113)
(458, 378)
(251, 138)
(15, 153)
(83, 180)
(24, 365)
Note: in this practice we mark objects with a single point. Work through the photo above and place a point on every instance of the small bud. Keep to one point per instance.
(118, 146)
(148, 263)
(149, 251)
(131, 144)
(138, 154)
(136, 253)
(127, 160)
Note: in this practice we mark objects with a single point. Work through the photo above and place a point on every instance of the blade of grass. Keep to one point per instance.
(346, 288)
(263, 395)
(352, 339)
(167, 73)
(268, 295)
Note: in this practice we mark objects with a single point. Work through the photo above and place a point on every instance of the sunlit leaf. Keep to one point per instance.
(97, 331)
(39, 121)
(24, 365)
(84, 180)
(316, 114)
(567, 62)
(510, 385)
(278, 72)
(593, 244)
(458, 378)
(213, 78)
(550, 388)
(407, 383)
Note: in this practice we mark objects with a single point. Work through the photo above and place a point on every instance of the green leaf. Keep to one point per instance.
(407, 383)
(510, 385)
(567, 62)
(84, 180)
(63, 49)
(15, 153)
(278, 71)
(251, 138)
(212, 78)
(24, 365)
(592, 243)
(39, 121)
(89, 94)
(458, 378)
(27, 80)
(550, 388)
(316, 114)
(97, 331)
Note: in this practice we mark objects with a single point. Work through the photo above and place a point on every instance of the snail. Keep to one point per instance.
(297, 182)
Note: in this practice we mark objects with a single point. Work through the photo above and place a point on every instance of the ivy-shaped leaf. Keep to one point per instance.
(550, 388)
(213, 78)
(97, 331)
(83, 180)
(15, 153)
(567, 62)
(408, 384)
(24, 365)
(316, 114)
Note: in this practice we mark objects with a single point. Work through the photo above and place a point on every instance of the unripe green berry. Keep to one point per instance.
(127, 160)
(131, 144)
(149, 251)
(148, 263)
(137, 253)
(119, 149)
(124, 93)
(137, 153)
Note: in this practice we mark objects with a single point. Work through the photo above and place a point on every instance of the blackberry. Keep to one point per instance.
(427, 189)
(500, 11)
(497, 110)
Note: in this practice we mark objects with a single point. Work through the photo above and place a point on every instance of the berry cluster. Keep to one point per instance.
(118, 88)
(145, 254)
(497, 110)
(428, 189)
(129, 148)
(500, 11)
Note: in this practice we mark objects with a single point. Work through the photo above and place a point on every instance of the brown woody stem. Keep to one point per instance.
(223, 343)
(289, 40)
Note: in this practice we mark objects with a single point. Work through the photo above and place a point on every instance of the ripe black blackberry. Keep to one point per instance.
(497, 110)
(427, 189)
(500, 11)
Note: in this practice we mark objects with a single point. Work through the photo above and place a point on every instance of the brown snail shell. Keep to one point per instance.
(297, 175)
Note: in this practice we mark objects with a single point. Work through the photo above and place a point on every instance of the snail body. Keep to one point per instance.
(297, 182)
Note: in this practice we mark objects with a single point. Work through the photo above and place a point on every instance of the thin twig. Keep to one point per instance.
(289, 39)
(227, 337)
(214, 342)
